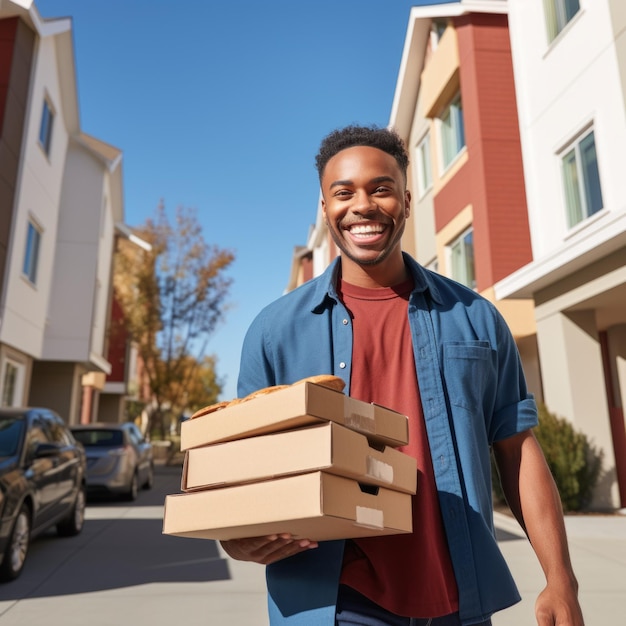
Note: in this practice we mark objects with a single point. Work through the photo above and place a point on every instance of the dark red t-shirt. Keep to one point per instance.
(410, 575)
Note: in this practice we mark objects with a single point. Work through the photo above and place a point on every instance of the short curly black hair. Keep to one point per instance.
(385, 139)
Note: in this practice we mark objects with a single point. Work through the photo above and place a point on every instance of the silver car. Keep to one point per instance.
(119, 459)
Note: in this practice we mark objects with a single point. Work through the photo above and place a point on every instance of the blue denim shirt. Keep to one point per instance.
(473, 393)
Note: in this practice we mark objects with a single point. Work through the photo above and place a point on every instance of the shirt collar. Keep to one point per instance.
(326, 290)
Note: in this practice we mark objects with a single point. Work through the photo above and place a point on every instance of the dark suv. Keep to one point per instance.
(42, 482)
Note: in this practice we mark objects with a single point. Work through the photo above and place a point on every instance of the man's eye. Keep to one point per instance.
(342, 193)
(381, 190)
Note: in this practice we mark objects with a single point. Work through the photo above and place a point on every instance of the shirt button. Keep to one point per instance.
(342, 365)
(344, 322)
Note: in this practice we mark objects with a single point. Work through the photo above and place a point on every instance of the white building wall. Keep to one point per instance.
(72, 302)
(563, 88)
(104, 272)
(422, 204)
(38, 194)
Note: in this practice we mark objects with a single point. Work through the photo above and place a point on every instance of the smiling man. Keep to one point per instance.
(366, 204)
(436, 351)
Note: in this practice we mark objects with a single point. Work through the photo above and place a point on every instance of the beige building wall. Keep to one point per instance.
(570, 316)
(58, 387)
(573, 383)
(110, 407)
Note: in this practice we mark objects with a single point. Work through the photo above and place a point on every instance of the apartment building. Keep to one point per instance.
(514, 117)
(455, 107)
(61, 204)
(569, 59)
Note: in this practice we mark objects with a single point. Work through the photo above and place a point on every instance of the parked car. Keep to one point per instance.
(119, 459)
(42, 482)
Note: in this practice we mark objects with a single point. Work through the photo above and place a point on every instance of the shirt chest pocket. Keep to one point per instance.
(469, 373)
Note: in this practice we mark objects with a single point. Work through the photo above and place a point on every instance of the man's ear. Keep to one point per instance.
(407, 203)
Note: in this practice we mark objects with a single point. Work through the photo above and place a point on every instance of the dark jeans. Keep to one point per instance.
(355, 609)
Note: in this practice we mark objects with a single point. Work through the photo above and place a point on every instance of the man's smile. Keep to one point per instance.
(366, 229)
(365, 232)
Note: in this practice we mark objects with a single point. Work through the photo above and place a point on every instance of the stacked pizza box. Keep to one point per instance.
(303, 459)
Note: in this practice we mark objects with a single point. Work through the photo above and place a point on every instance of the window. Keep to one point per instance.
(462, 259)
(12, 383)
(581, 179)
(45, 130)
(558, 14)
(437, 29)
(31, 256)
(424, 169)
(9, 384)
(452, 132)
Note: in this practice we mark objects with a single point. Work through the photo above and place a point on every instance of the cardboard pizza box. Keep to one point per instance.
(291, 407)
(316, 506)
(326, 446)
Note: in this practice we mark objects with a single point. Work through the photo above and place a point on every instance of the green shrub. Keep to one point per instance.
(575, 464)
(573, 461)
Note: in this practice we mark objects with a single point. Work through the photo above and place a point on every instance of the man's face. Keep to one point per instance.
(365, 203)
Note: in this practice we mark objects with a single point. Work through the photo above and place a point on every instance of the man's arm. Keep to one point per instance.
(534, 500)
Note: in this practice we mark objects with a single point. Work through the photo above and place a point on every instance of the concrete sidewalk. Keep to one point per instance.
(122, 570)
(597, 545)
(598, 549)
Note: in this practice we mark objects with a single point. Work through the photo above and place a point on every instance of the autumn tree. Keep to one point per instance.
(201, 386)
(172, 297)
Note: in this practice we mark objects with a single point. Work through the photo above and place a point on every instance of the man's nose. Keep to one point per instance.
(363, 202)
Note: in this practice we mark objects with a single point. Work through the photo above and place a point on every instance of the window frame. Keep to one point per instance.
(579, 194)
(423, 162)
(556, 16)
(438, 27)
(32, 252)
(17, 384)
(46, 126)
(453, 111)
(469, 277)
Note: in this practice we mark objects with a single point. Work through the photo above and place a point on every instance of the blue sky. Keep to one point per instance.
(221, 105)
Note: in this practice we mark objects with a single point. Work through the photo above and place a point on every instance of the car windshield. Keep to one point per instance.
(99, 437)
(11, 429)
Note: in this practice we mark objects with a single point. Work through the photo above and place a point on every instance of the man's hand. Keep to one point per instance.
(558, 607)
(266, 550)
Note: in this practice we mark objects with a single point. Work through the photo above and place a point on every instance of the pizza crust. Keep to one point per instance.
(324, 380)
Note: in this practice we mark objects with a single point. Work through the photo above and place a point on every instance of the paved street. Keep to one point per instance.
(122, 570)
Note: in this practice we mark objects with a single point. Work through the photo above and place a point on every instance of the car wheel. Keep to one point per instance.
(133, 490)
(150, 478)
(74, 522)
(17, 547)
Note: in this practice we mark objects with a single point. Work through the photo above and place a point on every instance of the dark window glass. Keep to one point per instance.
(99, 437)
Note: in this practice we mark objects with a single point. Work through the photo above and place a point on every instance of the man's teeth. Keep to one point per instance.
(372, 229)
